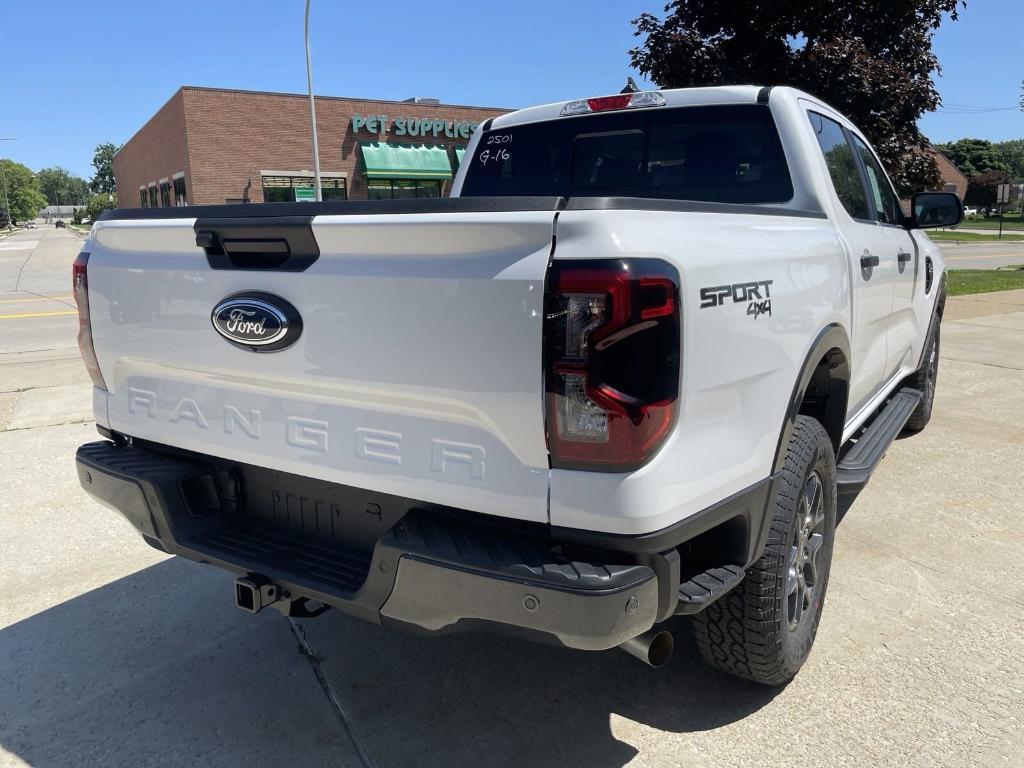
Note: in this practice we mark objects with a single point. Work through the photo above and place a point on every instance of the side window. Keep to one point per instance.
(887, 205)
(842, 167)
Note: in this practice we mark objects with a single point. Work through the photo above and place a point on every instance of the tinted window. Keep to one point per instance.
(887, 205)
(608, 160)
(726, 154)
(842, 167)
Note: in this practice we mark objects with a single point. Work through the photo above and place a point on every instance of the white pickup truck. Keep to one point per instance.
(623, 373)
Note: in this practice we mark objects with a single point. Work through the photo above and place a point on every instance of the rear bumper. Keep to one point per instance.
(424, 570)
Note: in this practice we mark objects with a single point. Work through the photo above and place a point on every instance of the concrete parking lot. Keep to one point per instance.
(113, 654)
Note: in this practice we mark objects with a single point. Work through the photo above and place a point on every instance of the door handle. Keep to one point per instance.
(867, 261)
(903, 257)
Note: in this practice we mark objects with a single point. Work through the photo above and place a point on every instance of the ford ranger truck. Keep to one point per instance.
(623, 373)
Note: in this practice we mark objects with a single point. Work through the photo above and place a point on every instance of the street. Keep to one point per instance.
(983, 255)
(114, 654)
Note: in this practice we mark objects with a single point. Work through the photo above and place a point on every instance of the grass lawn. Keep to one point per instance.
(951, 236)
(961, 282)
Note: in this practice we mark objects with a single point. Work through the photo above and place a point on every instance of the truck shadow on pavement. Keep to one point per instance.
(159, 668)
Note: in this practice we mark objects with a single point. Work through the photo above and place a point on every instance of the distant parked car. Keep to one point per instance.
(30, 225)
(59, 224)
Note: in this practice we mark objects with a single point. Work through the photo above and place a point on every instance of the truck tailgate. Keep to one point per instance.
(417, 372)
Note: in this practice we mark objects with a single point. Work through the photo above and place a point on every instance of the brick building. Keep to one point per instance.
(952, 179)
(212, 146)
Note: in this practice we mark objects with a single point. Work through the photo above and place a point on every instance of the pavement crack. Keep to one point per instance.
(991, 365)
(974, 324)
(933, 569)
(17, 280)
(65, 302)
(332, 698)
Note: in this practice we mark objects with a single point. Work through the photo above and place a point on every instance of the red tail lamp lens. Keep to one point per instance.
(605, 103)
(80, 289)
(612, 362)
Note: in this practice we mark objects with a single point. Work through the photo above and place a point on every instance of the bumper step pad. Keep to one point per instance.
(505, 555)
(856, 466)
(703, 589)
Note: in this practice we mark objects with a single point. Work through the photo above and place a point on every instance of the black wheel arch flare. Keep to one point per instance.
(833, 346)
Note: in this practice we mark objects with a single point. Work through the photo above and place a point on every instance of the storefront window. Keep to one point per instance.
(165, 194)
(143, 200)
(288, 189)
(397, 189)
(180, 197)
(153, 203)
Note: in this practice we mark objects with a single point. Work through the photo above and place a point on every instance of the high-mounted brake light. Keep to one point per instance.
(80, 289)
(612, 362)
(618, 101)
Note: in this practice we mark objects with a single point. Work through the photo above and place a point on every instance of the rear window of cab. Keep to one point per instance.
(727, 154)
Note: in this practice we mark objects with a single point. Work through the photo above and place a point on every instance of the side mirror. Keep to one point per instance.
(935, 209)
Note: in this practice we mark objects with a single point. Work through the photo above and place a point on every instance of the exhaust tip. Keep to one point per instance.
(653, 648)
(660, 649)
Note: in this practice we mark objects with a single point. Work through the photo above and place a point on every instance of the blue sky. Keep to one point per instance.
(76, 74)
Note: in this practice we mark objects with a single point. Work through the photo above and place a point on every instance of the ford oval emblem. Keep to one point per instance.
(257, 321)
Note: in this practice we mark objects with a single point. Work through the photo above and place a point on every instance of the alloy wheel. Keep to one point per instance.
(805, 567)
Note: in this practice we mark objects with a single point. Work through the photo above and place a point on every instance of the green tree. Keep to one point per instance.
(4, 218)
(99, 203)
(23, 191)
(103, 163)
(871, 59)
(974, 156)
(61, 187)
(982, 188)
(1012, 153)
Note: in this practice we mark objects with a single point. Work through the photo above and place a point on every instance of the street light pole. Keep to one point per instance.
(312, 113)
(7, 205)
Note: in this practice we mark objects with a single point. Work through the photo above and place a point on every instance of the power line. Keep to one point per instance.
(969, 109)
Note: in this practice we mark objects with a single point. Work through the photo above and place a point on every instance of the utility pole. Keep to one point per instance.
(312, 113)
(7, 204)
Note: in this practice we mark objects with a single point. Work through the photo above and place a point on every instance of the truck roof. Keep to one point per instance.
(674, 97)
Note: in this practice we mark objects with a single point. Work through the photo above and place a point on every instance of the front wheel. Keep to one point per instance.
(764, 628)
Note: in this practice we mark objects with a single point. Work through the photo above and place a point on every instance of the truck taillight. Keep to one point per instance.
(80, 288)
(612, 350)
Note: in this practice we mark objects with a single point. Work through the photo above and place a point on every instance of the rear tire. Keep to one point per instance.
(924, 379)
(763, 630)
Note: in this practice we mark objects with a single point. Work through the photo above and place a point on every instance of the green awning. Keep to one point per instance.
(459, 152)
(406, 161)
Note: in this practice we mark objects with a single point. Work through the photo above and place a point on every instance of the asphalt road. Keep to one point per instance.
(112, 654)
(985, 255)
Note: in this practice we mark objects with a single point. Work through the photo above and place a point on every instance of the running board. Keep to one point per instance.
(703, 589)
(860, 461)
